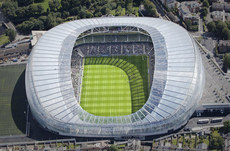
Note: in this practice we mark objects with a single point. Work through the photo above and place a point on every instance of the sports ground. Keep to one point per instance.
(114, 86)
(12, 100)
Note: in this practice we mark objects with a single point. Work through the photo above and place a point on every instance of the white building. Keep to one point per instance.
(177, 84)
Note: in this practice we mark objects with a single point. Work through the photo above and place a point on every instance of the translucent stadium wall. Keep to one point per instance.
(177, 84)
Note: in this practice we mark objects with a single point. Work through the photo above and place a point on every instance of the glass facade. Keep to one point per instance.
(177, 84)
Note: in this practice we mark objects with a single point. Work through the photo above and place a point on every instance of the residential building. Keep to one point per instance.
(217, 6)
(224, 46)
(221, 7)
(218, 15)
(188, 10)
(227, 7)
(193, 6)
(169, 3)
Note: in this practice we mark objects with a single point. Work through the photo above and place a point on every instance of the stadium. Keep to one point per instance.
(114, 77)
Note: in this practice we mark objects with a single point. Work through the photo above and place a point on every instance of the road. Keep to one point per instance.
(160, 10)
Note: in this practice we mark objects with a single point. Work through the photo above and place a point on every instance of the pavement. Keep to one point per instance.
(209, 44)
(217, 85)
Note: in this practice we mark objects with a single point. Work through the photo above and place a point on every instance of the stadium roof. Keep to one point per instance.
(177, 85)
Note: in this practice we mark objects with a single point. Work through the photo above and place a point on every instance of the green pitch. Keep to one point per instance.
(106, 91)
(12, 100)
(114, 86)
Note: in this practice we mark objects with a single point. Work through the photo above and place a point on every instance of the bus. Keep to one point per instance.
(203, 121)
(216, 120)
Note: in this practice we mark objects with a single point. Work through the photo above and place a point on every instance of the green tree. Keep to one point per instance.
(9, 9)
(105, 10)
(65, 4)
(32, 9)
(225, 34)
(219, 27)
(21, 12)
(129, 8)
(50, 21)
(217, 142)
(204, 12)
(226, 66)
(31, 24)
(211, 27)
(38, 1)
(54, 5)
(40, 9)
(205, 4)
(11, 34)
(113, 148)
(75, 11)
(150, 8)
(119, 11)
(24, 2)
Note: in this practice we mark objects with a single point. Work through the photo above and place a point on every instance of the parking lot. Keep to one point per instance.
(217, 85)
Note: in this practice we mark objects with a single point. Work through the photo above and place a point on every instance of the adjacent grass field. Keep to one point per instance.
(114, 86)
(4, 39)
(12, 100)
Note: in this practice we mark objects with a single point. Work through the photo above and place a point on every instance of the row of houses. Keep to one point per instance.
(224, 46)
(169, 3)
(220, 15)
(221, 7)
(187, 10)
(220, 11)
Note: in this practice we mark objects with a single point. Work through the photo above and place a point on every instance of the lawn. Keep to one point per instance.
(106, 91)
(4, 39)
(114, 86)
(12, 100)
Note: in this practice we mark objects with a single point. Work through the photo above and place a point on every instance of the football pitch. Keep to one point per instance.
(114, 86)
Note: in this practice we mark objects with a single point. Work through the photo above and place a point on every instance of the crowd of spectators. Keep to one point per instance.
(119, 48)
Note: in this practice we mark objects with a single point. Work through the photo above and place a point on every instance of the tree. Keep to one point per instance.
(105, 10)
(226, 66)
(54, 5)
(204, 12)
(40, 9)
(217, 142)
(65, 4)
(24, 2)
(219, 27)
(50, 21)
(129, 8)
(31, 24)
(38, 1)
(32, 9)
(11, 34)
(119, 11)
(75, 11)
(9, 9)
(226, 127)
(113, 148)
(21, 12)
(150, 8)
(225, 34)
(211, 27)
(205, 4)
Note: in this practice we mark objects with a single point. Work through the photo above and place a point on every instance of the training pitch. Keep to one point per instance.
(12, 100)
(114, 86)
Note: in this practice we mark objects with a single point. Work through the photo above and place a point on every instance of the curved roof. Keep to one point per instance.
(177, 77)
